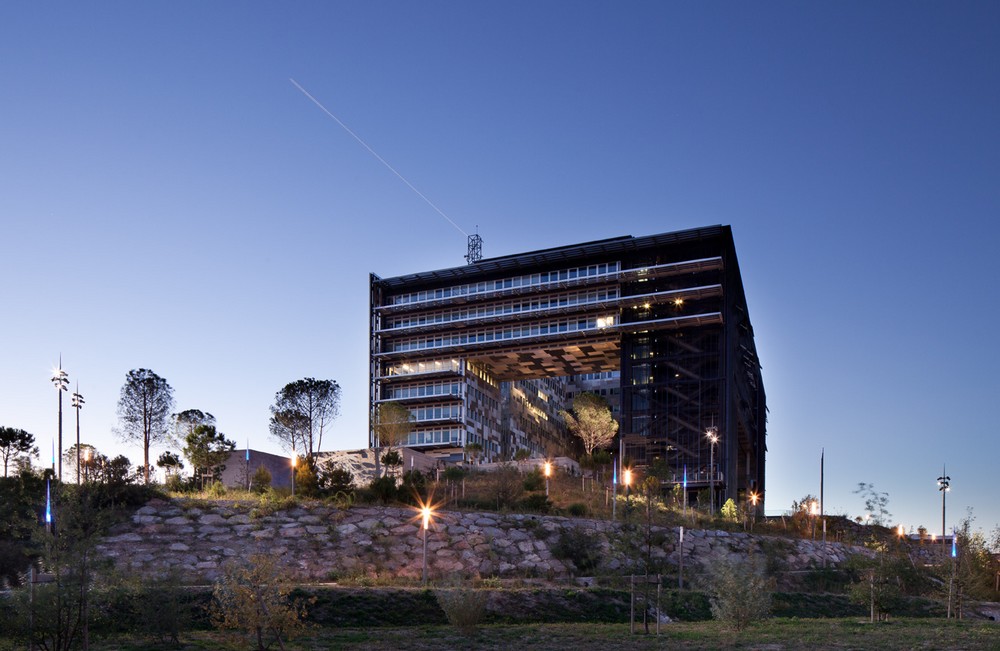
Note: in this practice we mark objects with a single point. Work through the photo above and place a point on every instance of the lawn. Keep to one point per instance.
(778, 634)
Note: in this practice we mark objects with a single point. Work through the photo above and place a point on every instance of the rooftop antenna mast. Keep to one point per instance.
(475, 242)
(475, 253)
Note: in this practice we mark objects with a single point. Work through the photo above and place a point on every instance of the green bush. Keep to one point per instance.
(465, 607)
(577, 509)
(581, 548)
(534, 481)
(537, 503)
(740, 592)
(260, 481)
(384, 489)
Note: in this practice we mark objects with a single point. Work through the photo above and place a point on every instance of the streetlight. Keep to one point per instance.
(627, 478)
(59, 380)
(754, 497)
(78, 405)
(944, 485)
(86, 467)
(425, 514)
(548, 473)
(713, 437)
(294, 458)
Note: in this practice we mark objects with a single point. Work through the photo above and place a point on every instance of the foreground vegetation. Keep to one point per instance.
(86, 599)
(775, 634)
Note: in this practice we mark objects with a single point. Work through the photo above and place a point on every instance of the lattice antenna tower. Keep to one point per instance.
(475, 253)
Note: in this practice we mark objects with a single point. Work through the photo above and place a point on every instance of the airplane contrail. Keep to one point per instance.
(375, 154)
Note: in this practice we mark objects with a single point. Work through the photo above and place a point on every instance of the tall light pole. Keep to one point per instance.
(293, 472)
(59, 380)
(548, 473)
(78, 405)
(944, 485)
(713, 437)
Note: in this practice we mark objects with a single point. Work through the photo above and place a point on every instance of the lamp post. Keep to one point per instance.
(753, 498)
(627, 479)
(425, 515)
(713, 437)
(59, 380)
(294, 459)
(944, 485)
(548, 473)
(86, 467)
(78, 405)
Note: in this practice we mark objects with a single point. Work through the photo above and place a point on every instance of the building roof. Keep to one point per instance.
(510, 263)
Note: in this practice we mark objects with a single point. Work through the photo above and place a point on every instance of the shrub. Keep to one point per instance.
(504, 485)
(384, 489)
(536, 502)
(577, 509)
(465, 607)
(534, 481)
(176, 484)
(581, 548)
(216, 489)
(254, 598)
(260, 481)
(740, 592)
(334, 478)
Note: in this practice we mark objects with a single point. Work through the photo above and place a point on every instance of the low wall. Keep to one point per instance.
(317, 542)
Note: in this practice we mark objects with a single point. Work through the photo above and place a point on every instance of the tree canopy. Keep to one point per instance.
(591, 420)
(15, 443)
(394, 424)
(301, 412)
(185, 422)
(207, 449)
(143, 408)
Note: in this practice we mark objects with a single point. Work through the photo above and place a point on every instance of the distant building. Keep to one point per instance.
(242, 462)
(360, 463)
(489, 352)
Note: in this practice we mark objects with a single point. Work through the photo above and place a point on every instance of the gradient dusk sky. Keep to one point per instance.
(170, 200)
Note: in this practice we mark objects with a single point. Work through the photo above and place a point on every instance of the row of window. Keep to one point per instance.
(416, 368)
(603, 375)
(501, 333)
(520, 306)
(483, 374)
(440, 435)
(507, 283)
(438, 412)
(425, 389)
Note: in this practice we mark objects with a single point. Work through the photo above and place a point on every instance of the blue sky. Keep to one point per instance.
(169, 200)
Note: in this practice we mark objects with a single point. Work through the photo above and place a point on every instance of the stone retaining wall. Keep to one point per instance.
(318, 542)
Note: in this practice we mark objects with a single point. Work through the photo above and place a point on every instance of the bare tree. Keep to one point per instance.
(301, 412)
(143, 408)
(393, 424)
(592, 421)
